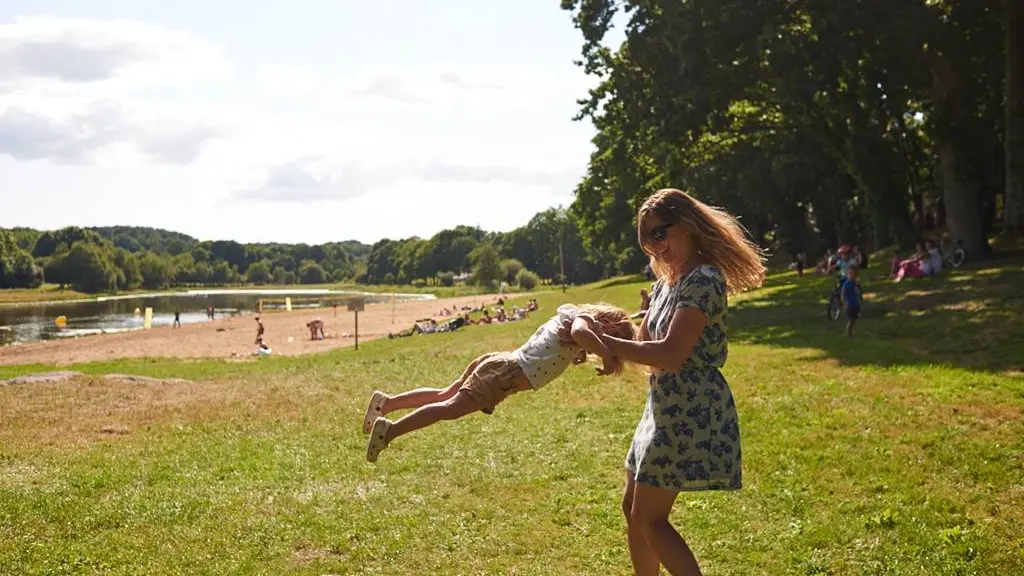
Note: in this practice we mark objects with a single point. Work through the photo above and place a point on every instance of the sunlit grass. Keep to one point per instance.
(898, 451)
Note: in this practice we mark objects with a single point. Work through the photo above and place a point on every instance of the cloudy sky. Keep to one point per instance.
(298, 121)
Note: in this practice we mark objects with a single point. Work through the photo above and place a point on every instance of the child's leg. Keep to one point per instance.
(423, 396)
(451, 409)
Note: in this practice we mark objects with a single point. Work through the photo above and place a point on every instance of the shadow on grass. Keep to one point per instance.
(970, 318)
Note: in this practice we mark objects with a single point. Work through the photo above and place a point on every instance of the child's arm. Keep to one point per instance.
(584, 333)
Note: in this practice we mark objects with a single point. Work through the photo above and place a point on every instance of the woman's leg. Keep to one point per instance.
(451, 409)
(651, 507)
(423, 396)
(645, 561)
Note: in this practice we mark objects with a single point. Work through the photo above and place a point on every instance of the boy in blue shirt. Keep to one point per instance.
(851, 298)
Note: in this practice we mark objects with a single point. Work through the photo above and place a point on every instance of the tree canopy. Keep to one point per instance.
(818, 122)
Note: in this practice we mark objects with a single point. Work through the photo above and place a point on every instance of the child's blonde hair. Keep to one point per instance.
(716, 234)
(614, 321)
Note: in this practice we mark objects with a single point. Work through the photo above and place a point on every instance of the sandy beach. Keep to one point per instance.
(235, 337)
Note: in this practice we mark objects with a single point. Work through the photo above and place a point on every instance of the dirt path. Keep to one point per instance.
(234, 337)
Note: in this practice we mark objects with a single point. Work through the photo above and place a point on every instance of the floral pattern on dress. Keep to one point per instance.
(689, 436)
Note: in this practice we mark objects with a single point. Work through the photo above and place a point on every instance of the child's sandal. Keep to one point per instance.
(378, 439)
(374, 410)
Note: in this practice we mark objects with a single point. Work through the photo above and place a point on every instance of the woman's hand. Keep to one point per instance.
(565, 332)
(580, 357)
(609, 366)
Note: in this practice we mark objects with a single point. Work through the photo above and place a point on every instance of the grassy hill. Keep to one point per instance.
(898, 451)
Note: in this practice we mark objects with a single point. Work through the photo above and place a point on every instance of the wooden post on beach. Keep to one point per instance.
(356, 305)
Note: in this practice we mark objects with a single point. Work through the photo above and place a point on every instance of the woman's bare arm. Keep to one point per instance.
(668, 353)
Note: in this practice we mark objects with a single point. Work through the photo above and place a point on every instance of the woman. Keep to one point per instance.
(688, 437)
(917, 266)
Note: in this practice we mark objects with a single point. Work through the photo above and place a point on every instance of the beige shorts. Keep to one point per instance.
(492, 378)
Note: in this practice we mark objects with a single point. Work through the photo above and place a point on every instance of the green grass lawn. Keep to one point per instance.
(899, 451)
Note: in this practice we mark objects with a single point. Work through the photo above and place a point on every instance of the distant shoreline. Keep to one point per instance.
(50, 294)
(234, 337)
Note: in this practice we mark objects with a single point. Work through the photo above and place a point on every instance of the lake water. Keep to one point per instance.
(36, 321)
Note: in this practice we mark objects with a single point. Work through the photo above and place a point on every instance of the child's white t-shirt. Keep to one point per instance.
(543, 358)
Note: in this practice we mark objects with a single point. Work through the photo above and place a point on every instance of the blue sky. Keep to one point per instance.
(301, 121)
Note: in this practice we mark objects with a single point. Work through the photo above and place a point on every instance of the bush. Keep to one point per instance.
(419, 283)
(446, 278)
(510, 268)
(311, 273)
(389, 279)
(259, 272)
(527, 280)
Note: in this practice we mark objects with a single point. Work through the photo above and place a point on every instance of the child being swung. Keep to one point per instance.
(493, 377)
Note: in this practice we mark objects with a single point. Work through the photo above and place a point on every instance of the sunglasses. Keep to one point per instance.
(658, 233)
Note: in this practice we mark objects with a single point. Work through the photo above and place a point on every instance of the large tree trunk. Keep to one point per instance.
(960, 196)
(960, 191)
(1013, 140)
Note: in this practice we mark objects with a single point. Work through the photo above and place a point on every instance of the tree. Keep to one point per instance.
(223, 273)
(1013, 140)
(486, 265)
(128, 264)
(48, 242)
(157, 271)
(381, 261)
(259, 273)
(87, 268)
(231, 252)
(819, 123)
(311, 273)
(17, 268)
(510, 267)
(55, 271)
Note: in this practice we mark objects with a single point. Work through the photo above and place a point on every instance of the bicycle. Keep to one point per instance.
(835, 303)
(954, 257)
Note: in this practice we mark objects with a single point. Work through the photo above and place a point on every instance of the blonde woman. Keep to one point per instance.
(688, 438)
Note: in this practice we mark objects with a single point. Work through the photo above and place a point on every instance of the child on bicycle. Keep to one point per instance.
(493, 377)
(850, 294)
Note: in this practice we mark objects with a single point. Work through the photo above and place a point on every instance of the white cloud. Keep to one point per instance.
(79, 131)
(65, 88)
(36, 49)
(320, 179)
(289, 81)
(500, 90)
(127, 122)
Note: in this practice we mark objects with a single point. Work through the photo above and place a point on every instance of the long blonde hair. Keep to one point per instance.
(614, 322)
(717, 236)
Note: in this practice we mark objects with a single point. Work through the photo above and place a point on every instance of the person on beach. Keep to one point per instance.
(493, 377)
(259, 330)
(688, 438)
(316, 329)
(177, 319)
